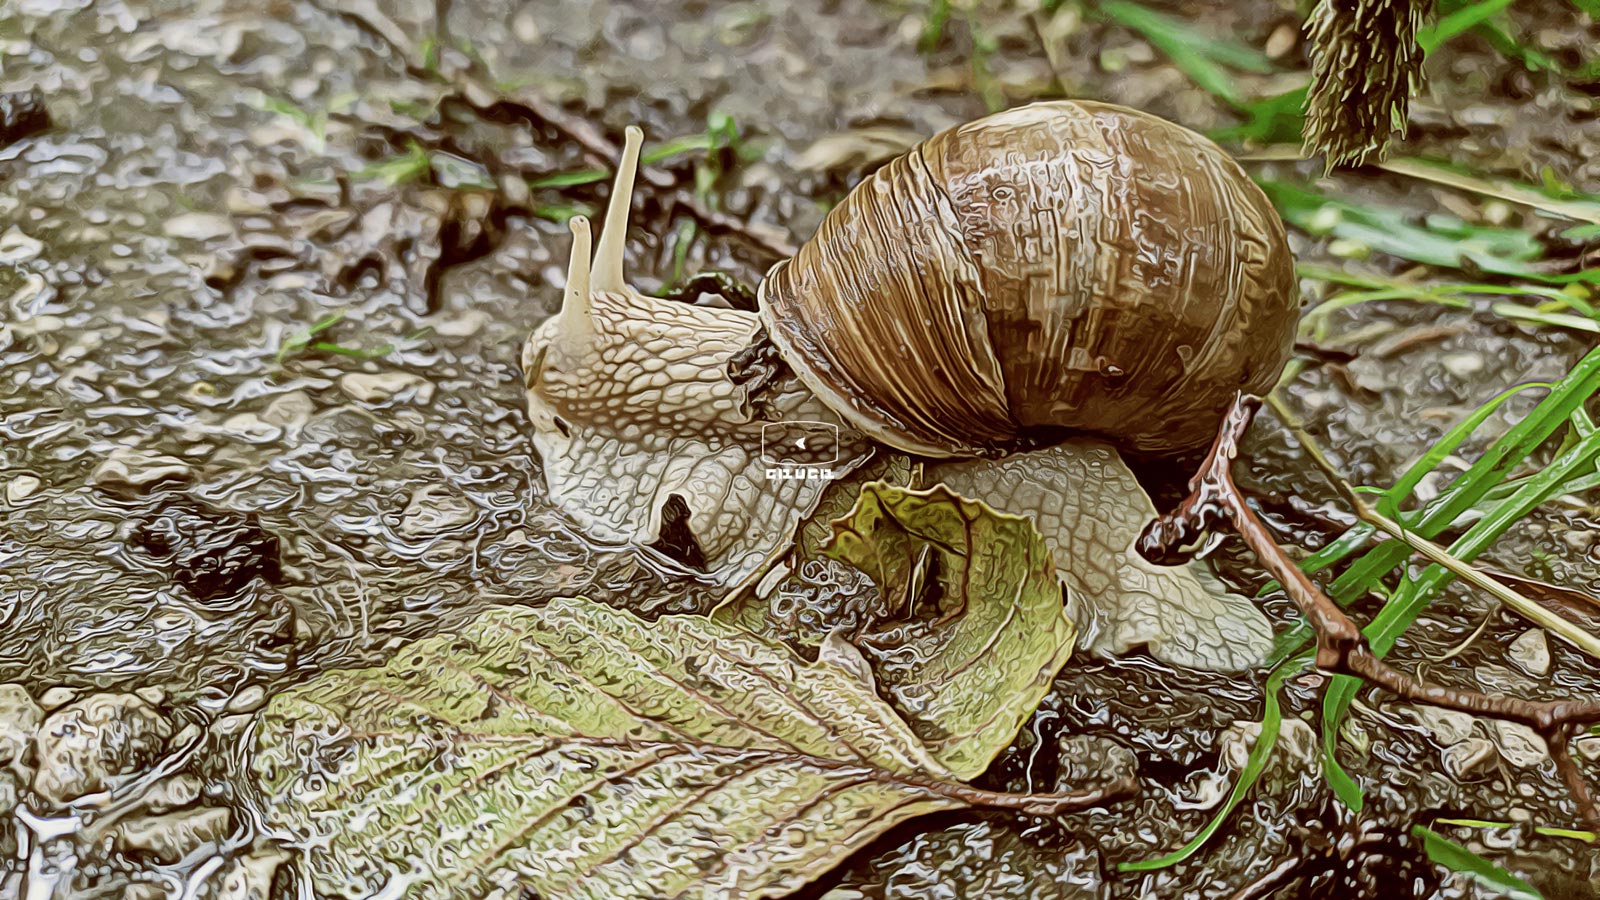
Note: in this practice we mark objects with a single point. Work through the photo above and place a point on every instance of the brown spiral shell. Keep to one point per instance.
(1064, 267)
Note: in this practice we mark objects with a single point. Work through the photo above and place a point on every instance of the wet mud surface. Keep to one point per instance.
(196, 499)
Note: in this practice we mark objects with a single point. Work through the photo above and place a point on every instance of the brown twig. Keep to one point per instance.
(1341, 647)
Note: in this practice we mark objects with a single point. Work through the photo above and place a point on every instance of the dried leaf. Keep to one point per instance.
(968, 675)
(577, 751)
(1090, 509)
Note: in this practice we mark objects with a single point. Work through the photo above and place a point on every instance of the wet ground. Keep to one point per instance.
(194, 499)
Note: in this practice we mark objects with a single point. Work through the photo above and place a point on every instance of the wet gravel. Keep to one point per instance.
(193, 499)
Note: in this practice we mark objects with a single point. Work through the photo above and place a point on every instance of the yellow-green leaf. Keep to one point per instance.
(574, 750)
(968, 674)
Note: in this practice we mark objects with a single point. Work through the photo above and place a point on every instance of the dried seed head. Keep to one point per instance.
(1366, 66)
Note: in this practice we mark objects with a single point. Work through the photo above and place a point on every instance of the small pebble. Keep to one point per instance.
(185, 736)
(198, 226)
(289, 411)
(1281, 41)
(1469, 759)
(1462, 365)
(16, 247)
(1531, 652)
(19, 719)
(1519, 744)
(1448, 726)
(133, 467)
(250, 877)
(435, 509)
(251, 428)
(21, 488)
(173, 836)
(172, 793)
(86, 745)
(384, 386)
(250, 699)
(464, 324)
(57, 697)
(233, 726)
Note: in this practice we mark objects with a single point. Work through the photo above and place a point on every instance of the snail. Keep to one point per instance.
(1018, 299)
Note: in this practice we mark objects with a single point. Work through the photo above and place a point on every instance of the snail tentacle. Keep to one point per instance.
(576, 321)
(608, 270)
(645, 437)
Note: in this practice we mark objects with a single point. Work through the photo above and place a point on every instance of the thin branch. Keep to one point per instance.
(1341, 647)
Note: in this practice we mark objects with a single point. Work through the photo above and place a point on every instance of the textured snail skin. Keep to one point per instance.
(1063, 267)
(635, 414)
(1090, 510)
(634, 401)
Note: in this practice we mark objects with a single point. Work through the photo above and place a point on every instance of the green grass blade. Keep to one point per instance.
(1407, 603)
(1566, 396)
(1459, 22)
(1440, 241)
(1553, 319)
(1547, 830)
(1453, 439)
(1271, 719)
(1197, 55)
(1445, 852)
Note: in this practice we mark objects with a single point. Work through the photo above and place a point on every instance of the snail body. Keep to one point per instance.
(1044, 276)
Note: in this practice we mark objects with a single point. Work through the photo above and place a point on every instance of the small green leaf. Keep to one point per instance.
(1459, 22)
(1445, 852)
(569, 179)
(413, 166)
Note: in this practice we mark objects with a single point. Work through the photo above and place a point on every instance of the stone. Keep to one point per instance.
(1448, 726)
(57, 697)
(85, 746)
(19, 719)
(435, 509)
(173, 793)
(198, 226)
(1470, 759)
(381, 387)
(249, 877)
(1530, 652)
(133, 467)
(21, 488)
(289, 411)
(1520, 745)
(251, 428)
(250, 699)
(16, 247)
(173, 836)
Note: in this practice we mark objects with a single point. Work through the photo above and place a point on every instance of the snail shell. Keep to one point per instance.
(1061, 268)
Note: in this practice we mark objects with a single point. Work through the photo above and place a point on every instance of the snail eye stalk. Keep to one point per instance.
(575, 320)
(608, 256)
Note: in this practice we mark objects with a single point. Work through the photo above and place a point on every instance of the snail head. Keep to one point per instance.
(644, 435)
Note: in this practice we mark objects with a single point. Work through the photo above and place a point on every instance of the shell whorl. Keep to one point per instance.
(1064, 267)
